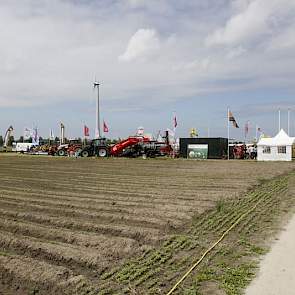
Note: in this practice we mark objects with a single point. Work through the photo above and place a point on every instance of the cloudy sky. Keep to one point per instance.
(152, 57)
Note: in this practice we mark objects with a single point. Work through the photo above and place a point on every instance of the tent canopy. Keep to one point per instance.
(281, 139)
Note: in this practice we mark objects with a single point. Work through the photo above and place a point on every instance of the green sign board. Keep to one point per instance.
(197, 151)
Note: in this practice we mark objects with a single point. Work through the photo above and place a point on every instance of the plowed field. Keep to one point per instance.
(68, 225)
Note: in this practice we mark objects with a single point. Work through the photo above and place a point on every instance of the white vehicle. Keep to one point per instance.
(23, 147)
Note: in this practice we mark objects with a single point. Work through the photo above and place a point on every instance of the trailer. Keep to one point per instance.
(23, 147)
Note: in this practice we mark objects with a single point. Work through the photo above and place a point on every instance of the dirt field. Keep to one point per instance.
(80, 226)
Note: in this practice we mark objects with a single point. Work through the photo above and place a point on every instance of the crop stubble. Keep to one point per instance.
(66, 224)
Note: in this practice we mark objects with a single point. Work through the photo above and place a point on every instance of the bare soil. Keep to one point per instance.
(84, 226)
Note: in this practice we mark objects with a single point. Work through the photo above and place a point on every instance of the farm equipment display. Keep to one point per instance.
(70, 148)
(133, 146)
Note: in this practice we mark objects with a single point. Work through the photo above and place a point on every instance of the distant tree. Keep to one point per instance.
(21, 139)
(56, 140)
(29, 140)
(1, 140)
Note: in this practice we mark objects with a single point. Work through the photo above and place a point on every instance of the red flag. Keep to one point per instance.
(86, 131)
(105, 127)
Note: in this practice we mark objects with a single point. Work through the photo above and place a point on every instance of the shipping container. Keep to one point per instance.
(203, 148)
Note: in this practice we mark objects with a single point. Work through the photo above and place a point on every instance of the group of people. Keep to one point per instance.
(245, 151)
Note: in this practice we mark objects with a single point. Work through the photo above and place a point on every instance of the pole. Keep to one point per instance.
(289, 122)
(256, 133)
(228, 133)
(279, 120)
(97, 126)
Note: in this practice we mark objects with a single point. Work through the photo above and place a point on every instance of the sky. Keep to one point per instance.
(152, 58)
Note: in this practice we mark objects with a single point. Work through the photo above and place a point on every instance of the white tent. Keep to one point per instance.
(278, 148)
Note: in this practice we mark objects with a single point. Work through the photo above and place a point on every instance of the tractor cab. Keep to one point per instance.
(99, 142)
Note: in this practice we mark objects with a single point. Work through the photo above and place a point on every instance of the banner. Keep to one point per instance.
(197, 151)
(35, 137)
(86, 131)
(105, 127)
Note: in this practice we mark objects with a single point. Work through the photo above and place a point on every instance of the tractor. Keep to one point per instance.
(98, 147)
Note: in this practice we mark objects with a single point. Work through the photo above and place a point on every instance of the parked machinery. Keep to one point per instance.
(133, 146)
(74, 146)
(97, 147)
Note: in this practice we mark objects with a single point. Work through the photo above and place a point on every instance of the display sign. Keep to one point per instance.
(197, 151)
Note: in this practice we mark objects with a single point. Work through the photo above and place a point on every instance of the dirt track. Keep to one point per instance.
(67, 224)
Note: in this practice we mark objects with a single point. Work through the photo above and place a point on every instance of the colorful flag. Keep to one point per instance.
(86, 131)
(105, 127)
(232, 119)
(174, 121)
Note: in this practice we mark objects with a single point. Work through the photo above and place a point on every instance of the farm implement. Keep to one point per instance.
(133, 146)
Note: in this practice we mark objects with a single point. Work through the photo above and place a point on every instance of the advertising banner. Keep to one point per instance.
(197, 151)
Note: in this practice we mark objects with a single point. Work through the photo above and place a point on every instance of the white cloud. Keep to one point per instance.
(202, 65)
(257, 19)
(142, 44)
(50, 52)
(284, 41)
(136, 3)
(236, 52)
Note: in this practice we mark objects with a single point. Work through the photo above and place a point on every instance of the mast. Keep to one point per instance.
(97, 118)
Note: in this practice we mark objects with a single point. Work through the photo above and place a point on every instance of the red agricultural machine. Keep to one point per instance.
(133, 146)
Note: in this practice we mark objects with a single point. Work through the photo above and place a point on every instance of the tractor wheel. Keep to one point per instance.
(85, 154)
(102, 153)
(61, 153)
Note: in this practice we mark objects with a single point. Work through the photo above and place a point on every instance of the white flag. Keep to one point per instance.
(27, 133)
(35, 137)
(51, 135)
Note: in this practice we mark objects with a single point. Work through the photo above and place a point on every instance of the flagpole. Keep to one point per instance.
(84, 136)
(256, 133)
(279, 120)
(289, 122)
(228, 133)
(245, 137)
